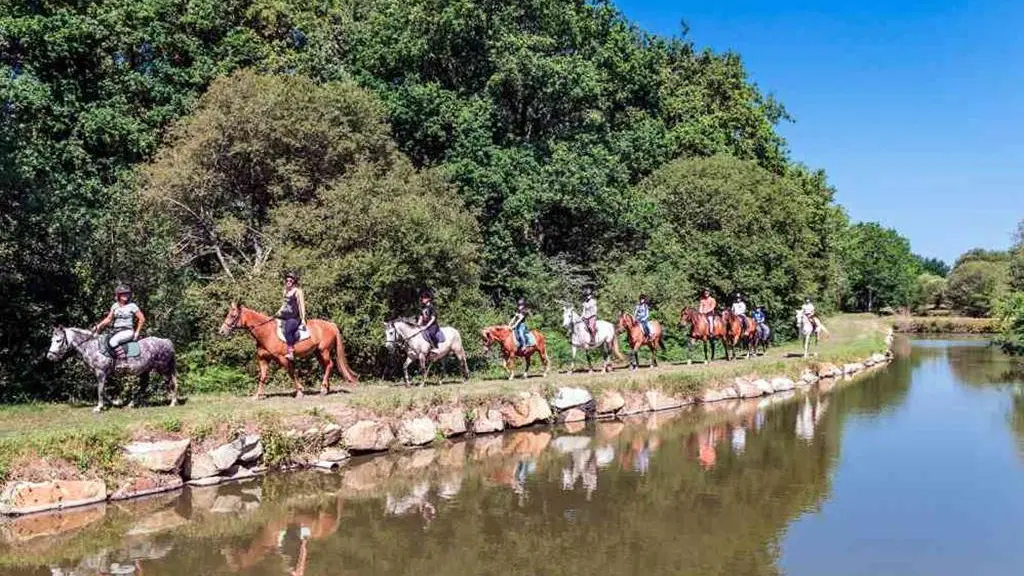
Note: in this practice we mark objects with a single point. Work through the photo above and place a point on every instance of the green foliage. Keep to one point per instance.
(878, 268)
(1011, 318)
(933, 266)
(976, 284)
(929, 291)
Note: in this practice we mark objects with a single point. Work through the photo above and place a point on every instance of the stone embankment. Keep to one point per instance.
(167, 465)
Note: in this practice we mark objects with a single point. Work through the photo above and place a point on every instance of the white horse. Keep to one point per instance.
(579, 336)
(400, 332)
(808, 327)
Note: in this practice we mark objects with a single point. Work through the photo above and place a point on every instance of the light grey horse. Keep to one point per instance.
(402, 332)
(809, 327)
(579, 337)
(156, 355)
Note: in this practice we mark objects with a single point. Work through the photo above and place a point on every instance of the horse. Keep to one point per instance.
(699, 331)
(579, 337)
(637, 339)
(733, 333)
(155, 355)
(809, 327)
(324, 338)
(762, 338)
(401, 331)
(510, 349)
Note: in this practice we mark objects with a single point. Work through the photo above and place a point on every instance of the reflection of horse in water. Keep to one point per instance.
(286, 535)
(808, 417)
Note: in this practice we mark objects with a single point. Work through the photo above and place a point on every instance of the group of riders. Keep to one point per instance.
(127, 318)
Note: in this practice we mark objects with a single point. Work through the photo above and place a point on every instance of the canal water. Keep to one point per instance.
(917, 468)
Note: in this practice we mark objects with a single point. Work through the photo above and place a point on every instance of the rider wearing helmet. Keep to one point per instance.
(292, 312)
(428, 317)
(707, 307)
(590, 313)
(809, 312)
(760, 319)
(518, 323)
(126, 317)
(739, 308)
(642, 314)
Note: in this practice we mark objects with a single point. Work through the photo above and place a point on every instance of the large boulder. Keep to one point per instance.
(729, 392)
(781, 384)
(416, 432)
(145, 485)
(765, 386)
(636, 403)
(658, 400)
(225, 455)
(252, 449)
(201, 466)
(572, 415)
(452, 422)
(711, 395)
(28, 497)
(487, 420)
(610, 402)
(570, 397)
(746, 389)
(879, 358)
(368, 436)
(165, 456)
(528, 408)
(808, 378)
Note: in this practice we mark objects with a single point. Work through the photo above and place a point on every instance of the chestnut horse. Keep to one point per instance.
(637, 339)
(509, 348)
(324, 338)
(736, 335)
(699, 331)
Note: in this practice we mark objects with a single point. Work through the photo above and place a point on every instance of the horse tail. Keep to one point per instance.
(615, 348)
(343, 367)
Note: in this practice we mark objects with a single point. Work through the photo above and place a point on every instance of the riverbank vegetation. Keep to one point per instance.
(487, 150)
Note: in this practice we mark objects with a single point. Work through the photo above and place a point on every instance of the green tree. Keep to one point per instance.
(929, 290)
(975, 285)
(879, 268)
(933, 266)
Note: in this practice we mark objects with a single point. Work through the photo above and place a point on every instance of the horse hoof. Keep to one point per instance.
(299, 394)
(174, 402)
(97, 409)
(323, 391)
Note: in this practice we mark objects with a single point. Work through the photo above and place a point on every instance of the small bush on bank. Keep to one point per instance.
(946, 325)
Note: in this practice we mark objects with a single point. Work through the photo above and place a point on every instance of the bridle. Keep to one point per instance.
(66, 342)
(233, 325)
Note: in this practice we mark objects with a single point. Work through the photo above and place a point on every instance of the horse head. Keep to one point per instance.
(625, 322)
(232, 320)
(688, 316)
(567, 317)
(390, 336)
(59, 344)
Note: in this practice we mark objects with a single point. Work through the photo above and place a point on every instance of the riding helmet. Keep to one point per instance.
(521, 302)
(643, 297)
(291, 274)
(588, 291)
(122, 289)
(426, 293)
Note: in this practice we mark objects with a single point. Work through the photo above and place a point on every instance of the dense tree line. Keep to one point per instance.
(489, 149)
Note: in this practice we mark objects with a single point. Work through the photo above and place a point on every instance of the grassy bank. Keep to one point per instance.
(945, 325)
(89, 443)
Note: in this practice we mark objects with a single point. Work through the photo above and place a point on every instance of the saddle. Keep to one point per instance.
(126, 350)
(303, 333)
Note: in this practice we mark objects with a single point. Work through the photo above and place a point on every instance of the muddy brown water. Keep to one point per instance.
(913, 469)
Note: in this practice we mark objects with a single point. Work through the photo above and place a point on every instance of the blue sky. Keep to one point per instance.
(915, 109)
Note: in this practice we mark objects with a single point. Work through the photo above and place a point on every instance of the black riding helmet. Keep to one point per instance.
(122, 289)
(521, 303)
(293, 275)
(588, 291)
(643, 297)
(426, 294)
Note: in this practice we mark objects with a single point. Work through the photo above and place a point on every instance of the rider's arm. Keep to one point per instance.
(301, 298)
(105, 322)
(515, 320)
(141, 319)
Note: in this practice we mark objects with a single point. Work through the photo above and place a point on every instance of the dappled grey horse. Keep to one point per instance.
(579, 337)
(400, 331)
(155, 355)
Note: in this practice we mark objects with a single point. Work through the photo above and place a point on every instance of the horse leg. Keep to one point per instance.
(526, 371)
(264, 373)
(328, 366)
(590, 365)
(572, 363)
(424, 368)
(139, 397)
(172, 384)
(405, 369)
(461, 354)
(295, 379)
(101, 382)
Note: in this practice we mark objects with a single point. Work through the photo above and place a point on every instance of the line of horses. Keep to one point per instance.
(325, 343)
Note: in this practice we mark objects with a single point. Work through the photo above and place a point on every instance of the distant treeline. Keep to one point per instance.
(487, 149)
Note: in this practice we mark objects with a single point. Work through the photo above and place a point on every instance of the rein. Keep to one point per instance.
(238, 318)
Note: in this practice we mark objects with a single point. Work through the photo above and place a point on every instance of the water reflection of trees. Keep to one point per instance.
(982, 365)
(665, 494)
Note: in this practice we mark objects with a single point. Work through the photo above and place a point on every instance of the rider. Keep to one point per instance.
(759, 319)
(124, 313)
(808, 311)
(292, 312)
(428, 317)
(518, 323)
(707, 307)
(739, 308)
(642, 314)
(590, 313)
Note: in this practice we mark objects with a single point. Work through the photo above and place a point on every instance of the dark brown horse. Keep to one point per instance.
(324, 338)
(637, 338)
(510, 349)
(734, 334)
(699, 330)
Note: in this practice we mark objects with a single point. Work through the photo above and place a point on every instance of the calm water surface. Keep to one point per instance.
(916, 469)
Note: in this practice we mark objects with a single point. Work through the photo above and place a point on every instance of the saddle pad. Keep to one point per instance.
(303, 334)
(531, 340)
(132, 349)
(440, 336)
